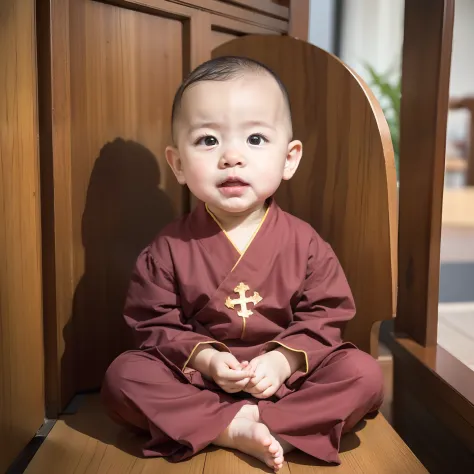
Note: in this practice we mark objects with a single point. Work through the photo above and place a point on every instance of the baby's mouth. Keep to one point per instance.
(232, 182)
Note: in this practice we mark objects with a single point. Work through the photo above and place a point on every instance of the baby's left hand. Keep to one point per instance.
(271, 370)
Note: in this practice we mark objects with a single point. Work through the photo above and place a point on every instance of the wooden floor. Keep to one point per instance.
(88, 443)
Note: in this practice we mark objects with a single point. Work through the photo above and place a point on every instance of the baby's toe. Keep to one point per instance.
(278, 453)
(275, 447)
(279, 460)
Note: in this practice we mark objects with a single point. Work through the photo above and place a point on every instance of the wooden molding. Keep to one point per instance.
(424, 109)
(238, 28)
(182, 9)
(55, 150)
(299, 19)
(264, 6)
(433, 404)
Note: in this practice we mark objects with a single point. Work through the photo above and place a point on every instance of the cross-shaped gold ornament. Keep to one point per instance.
(241, 289)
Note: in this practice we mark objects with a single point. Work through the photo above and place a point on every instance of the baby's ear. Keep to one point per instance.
(293, 157)
(174, 160)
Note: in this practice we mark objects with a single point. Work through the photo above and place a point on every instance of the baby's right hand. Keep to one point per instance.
(228, 373)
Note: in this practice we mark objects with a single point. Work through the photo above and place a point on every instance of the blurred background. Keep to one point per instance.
(368, 36)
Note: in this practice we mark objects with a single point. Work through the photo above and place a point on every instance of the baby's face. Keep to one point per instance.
(233, 141)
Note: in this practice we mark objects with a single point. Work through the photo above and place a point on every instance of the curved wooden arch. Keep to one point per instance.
(346, 184)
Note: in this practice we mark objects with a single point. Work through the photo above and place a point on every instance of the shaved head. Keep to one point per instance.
(225, 68)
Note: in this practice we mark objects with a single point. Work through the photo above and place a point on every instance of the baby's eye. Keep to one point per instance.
(208, 140)
(257, 139)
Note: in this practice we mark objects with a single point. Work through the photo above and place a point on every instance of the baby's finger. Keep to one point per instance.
(230, 361)
(259, 375)
(256, 379)
(232, 375)
(253, 364)
(241, 384)
(245, 365)
(268, 392)
(253, 369)
(230, 388)
(263, 385)
(248, 386)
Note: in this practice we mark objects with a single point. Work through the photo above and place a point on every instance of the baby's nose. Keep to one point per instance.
(232, 158)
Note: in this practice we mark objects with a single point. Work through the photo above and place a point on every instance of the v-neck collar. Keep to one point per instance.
(240, 252)
(208, 233)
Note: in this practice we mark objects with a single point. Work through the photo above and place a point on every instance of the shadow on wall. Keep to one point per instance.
(124, 211)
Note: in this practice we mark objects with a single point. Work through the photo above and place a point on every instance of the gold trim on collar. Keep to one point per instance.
(222, 228)
(230, 240)
(251, 238)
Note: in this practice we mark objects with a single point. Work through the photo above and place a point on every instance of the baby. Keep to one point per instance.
(238, 306)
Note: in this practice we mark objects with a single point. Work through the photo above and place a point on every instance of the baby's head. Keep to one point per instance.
(232, 134)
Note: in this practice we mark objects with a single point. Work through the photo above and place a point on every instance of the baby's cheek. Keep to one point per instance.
(198, 175)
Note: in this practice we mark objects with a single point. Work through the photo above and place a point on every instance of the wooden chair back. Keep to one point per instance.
(346, 184)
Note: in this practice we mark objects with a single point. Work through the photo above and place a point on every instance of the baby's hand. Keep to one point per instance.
(228, 372)
(271, 370)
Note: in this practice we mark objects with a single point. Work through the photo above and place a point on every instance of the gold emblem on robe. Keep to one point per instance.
(243, 300)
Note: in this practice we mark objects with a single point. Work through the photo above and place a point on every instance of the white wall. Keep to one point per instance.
(372, 31)
(321, 23)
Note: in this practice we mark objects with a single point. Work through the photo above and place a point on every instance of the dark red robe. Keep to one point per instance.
(189, 287)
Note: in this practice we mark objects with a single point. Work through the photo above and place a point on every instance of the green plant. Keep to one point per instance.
(388, 93)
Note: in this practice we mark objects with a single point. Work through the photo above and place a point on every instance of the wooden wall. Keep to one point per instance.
(86, 97)
(21, 338)
(107, 77)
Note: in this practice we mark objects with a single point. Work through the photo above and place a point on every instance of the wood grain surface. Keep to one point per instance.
(111, 75)
(21, 334)
(89, 443)
(433, 405)
(423, 117)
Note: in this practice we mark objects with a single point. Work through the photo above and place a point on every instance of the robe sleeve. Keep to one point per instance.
(322, 310)
(152, 310)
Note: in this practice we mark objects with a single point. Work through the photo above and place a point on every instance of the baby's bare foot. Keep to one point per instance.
(287, 447)
(253, 438)
(249, 411)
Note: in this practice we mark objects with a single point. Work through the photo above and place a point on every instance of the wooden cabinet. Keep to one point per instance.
(108, 72)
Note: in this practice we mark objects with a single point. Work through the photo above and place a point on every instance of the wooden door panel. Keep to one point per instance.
(219, 37)
(21, 332)
(125, 68)
(108, 74)
(346, 184)
(107, 86)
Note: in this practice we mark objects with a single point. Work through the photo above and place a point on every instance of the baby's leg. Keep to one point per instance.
(246, 434)
(141, 392)
(331, 401)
